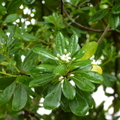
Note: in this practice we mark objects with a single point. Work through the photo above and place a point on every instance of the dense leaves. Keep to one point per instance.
(55, 55)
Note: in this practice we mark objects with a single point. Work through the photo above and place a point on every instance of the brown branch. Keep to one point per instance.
(103, 35)
(81, 26)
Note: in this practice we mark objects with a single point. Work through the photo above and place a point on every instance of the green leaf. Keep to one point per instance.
(73, 44)
(29, 60)
(87, 67)
(90, 49)
(68, 90)
(81, 63)
(52, 99)
(79, 54)
(13, 6)
(93, 76)
(44, 53)
(11, 18)
(113, 20)
(74, 2)
(99, 15)
(42, 80)
(45, 66)
(99, 50)
(24, 79)
(116, 9)
(64, 103)
(5, 82)
(109, 80)
(7, 93)
(59, 70)
(29, 1)
(83, 84)
(79, 105)
(19, 98)
(60, 43)
(87, 96)
(28, 37)
(2, 10)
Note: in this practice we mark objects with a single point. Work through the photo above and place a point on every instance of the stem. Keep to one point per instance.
(8, 74)
(103, 35)
(105, 62)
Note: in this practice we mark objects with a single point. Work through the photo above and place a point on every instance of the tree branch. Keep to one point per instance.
(103, 35)
(81, 26)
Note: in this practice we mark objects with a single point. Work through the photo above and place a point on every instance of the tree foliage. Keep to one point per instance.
(50, 50)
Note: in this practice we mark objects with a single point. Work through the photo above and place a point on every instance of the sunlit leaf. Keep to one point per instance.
(90, 49)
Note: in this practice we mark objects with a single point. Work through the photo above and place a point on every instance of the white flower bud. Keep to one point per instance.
(58, 55)
(71, 75)
(61, 78)
(65, 51)
(56, 58)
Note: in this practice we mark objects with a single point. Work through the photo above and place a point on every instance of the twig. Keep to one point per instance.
(7, 74)
(78, 7)
(103, 35)
(81, 26)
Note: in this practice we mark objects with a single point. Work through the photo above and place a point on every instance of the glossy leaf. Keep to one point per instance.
(60, 43)
(87, 67)
(73, 44)
(68, 90)
(60, 69)
(98, 15)
(64, 103)
(90, 49)
(30, 59)
(82, 83)
(19, 98)
(96, 68)
(28, 1)
(79, 54)
(92, 76)
(81, 63)
(7, 93)
(42, 80)
(45, 66)
(79, 105)
(13, 6)
(52, 99)
(87, 96)
(114, 20)
(11, 18)
(116, 9)
(44, 53)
